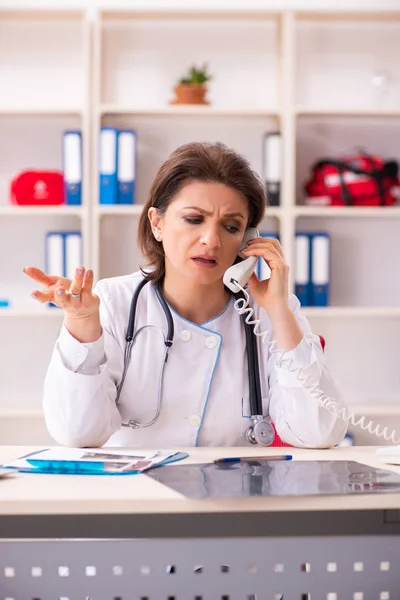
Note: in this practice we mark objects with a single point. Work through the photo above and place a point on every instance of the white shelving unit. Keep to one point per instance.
(308, 74)
(137, 58)
(45, 89)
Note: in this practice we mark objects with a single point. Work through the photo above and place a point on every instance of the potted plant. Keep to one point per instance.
(191, 88)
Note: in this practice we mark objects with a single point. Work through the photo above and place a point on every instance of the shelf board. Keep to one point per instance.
(351, 311)
(40, 13)
(376, 409)
(367, 410)
(27, 313)
(150, 10)
(136, 209)
(347, 211)
(40, 111)
(6, 413)
(183, 110)
(346, 112)
(115, 209)
(40, 211)
(363, 15)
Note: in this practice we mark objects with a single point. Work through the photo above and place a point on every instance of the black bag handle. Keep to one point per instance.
(377, 174)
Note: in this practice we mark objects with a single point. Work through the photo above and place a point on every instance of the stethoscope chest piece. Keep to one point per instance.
(261, 432)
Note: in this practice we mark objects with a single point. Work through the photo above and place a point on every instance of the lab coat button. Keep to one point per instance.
(195, 420)
(185, 335)
(211, 341)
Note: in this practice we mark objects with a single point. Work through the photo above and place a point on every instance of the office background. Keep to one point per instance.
(328, 80)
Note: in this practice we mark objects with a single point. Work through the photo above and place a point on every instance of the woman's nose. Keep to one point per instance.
(210, 238)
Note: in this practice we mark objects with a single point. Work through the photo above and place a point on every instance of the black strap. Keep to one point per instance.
(132, 310)
(376, 174)
(132, 313)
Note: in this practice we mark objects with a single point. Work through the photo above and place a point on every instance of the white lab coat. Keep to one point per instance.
(205, 398)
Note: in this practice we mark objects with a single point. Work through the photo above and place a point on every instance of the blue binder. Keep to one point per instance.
(320, 269)
(262, 269)
(108, 165)
(126, 166)
(72, 166)
(302, 278)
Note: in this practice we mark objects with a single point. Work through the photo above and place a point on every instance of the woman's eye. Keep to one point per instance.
(232, 228)
(193, 220)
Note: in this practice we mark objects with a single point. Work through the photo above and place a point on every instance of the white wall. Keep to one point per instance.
(323, 5)
(383, 380)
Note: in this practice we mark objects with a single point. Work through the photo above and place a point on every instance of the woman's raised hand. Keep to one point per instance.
(75, 296)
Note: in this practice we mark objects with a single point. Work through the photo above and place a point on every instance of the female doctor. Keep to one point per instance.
(191, 229)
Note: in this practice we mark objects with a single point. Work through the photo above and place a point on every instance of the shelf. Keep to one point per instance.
(40, 13)
(40, 211)
(184, 110)
(367, 410)
(376, 410)
(147, 10)
(136, 209)
(114, 209)
(40, 111)
(339, 14)
(351, 311)
(21, 414)
(389, 212)
(45, 312)
(346, 112)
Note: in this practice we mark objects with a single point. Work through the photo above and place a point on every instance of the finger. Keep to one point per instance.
(43, 295)
(271, 256)
(270, 241)
(254, 278)
(262, 250)
(40, 276)
(76, 284)
(87, 286)
(61, 297)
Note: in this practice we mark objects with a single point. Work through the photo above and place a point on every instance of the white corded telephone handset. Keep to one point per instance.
(240, 272)
(236, 278)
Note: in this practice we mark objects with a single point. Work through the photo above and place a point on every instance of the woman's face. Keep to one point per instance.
(202, 230)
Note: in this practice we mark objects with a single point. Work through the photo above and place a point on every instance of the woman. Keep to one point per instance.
(202, 200)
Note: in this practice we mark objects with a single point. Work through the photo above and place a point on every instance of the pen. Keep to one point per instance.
(247, 458)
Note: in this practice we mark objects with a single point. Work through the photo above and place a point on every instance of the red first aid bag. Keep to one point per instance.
(360, 180)
(39, 188)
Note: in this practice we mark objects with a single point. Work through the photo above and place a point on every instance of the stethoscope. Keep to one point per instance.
(260, 431)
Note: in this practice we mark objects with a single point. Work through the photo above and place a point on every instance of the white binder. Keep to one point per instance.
(73, 253)
(54, 253)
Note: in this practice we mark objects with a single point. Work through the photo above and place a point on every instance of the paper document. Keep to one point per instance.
(389, 454)
(94, 460)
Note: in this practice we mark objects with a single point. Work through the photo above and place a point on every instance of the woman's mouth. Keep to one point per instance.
(205, 262)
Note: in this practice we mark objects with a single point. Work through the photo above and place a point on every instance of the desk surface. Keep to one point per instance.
(26, 494)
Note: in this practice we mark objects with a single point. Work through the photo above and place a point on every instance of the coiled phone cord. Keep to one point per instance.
(243, 308)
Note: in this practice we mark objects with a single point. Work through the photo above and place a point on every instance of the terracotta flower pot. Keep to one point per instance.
(190, 93)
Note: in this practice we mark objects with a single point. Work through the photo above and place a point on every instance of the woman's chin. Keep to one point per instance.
(206, 274)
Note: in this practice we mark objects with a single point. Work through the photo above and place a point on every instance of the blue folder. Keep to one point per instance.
(302, 277)
(126, 178)
(108, 157)
(320, 270)
(72, 166)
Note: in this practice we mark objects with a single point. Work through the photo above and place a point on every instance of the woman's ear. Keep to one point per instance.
(155, 222)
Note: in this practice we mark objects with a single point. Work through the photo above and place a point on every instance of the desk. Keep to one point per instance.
(131, 538)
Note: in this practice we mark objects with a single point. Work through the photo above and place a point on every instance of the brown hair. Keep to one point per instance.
(208, 162)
